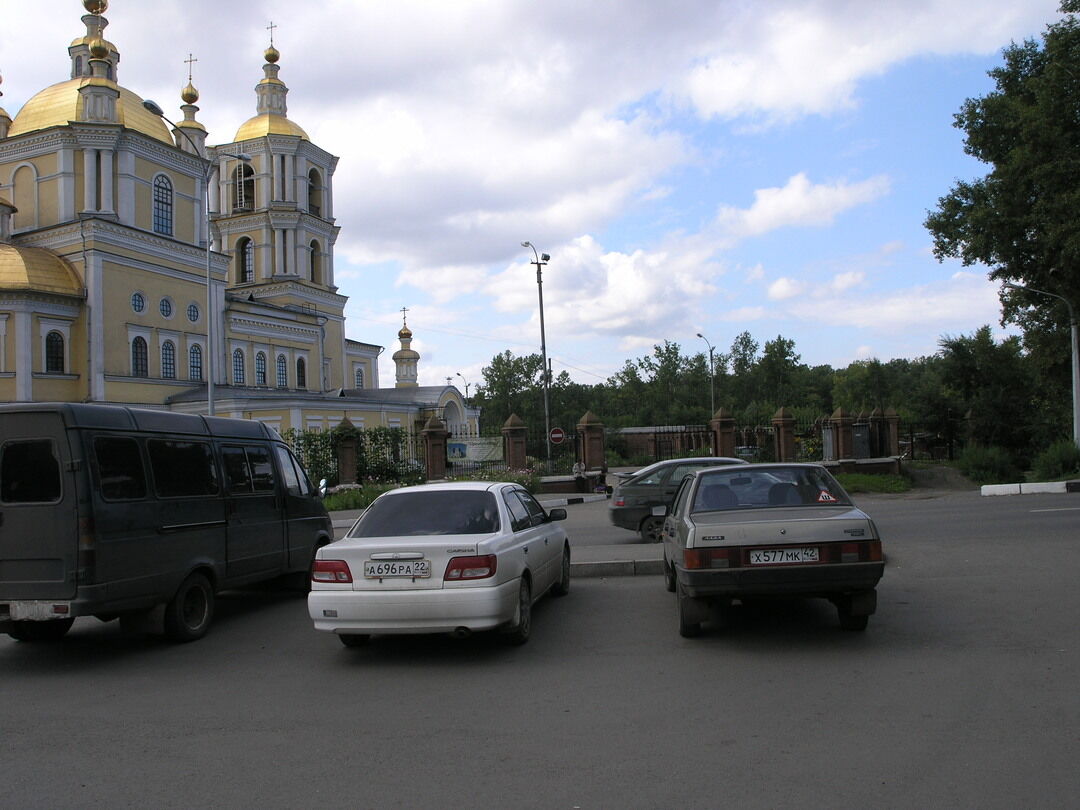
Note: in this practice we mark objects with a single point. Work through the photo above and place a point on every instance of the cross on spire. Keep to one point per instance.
(403, 311)
(189, 60)
(271, 28)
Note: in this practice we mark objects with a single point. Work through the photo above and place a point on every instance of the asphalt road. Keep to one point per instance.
(962, 693)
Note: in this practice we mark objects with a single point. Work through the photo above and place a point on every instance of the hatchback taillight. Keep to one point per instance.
(460, 568)
(698, 558)
(330, 571)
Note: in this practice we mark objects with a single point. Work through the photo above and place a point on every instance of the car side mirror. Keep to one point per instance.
(557, 514)
(659, 511)
(322, 488)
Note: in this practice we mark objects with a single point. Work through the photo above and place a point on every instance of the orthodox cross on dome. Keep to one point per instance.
(403, 311)
(271, 28)
(189, 60)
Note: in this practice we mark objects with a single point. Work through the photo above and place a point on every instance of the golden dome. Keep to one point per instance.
(272, 54)
(38, 269)
(61, 103)
(189, 94)
(96, 6)
(405, 333)
(99, 48)
(268, 124)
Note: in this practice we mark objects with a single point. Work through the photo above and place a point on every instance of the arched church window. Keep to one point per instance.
(140, 366)
(359, 376)
(243, 188)
(195, 363)
(168, 360)
(260, 369)
(315, 270)
(245, 261)
(163, 205)
(301, 373)
(78, 66)
(282, 372)
(54, 353)
(315, 191)
(238, 367)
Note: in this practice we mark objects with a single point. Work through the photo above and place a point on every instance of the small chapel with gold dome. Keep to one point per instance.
(142, 265)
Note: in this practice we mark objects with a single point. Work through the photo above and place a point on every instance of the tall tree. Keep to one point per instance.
(1021, 219)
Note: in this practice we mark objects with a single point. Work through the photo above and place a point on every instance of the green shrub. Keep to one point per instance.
(866, 482)
(988, 465)
(530, 479)
(1057, 462)
(354, 497)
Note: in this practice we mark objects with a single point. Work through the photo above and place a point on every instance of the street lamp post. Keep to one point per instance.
(541, 260)
(156, 110)
(466, 386)
(712, 378)
(1074, 334)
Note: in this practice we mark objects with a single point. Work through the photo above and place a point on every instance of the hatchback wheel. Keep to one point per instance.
(689, 613)
(651, 529)
(669, 576)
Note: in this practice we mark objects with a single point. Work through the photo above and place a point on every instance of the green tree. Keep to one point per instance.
(512, 385)
(1021, 218)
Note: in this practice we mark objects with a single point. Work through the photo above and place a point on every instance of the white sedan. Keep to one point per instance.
(441, 558)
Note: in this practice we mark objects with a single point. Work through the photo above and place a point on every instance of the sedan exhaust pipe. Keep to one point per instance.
(461, 632)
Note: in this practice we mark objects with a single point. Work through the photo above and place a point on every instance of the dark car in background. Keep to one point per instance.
(632, 501)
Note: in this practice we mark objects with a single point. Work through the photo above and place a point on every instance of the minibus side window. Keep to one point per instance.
(182, 468)
(237, 478)
(120, 468)
(288, 471)
(262, 471)
(29, 472)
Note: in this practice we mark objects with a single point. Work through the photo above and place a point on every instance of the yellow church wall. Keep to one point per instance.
(49, 389)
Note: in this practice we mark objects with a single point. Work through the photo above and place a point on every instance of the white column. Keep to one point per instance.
(106, 180)
(24, 358)
(279, 251)
(66, 170)
(90, 180)
(125, 186)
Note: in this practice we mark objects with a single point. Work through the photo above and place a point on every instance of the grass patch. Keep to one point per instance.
(866, 482)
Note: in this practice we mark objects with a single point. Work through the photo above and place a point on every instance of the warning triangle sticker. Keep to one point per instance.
(826, 497)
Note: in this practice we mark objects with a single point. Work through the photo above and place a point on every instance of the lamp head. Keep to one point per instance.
(153, 107)
(544, 257)
(526, 244)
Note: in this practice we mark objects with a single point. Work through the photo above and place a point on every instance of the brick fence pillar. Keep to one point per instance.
(784, 437)
(591, 432)
(722, 426)
(842, 438)
(346, 452)
(434, 435)
(514, 433)
(892, 432)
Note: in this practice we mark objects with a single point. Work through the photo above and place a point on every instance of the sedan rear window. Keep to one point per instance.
(428, 513)
(768, 487)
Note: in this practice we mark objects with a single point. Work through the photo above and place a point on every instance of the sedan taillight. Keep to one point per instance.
(330, 571)
(460, 568)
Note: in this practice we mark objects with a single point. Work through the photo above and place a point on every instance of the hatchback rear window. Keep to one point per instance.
(428, 513)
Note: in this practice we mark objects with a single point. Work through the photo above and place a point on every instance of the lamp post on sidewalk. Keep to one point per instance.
(712, 378)
(1074, 328)
(541, 260)
(207, 171)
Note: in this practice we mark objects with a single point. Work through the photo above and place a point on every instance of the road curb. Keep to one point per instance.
(616, 568)
(546, 502)
(1050, 487)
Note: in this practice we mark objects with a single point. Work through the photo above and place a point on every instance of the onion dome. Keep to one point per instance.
(57, 105)
(38, 270)
(95, 6)
(271, 117)
(189, 94)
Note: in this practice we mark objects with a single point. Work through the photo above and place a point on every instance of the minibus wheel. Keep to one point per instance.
(188, 614)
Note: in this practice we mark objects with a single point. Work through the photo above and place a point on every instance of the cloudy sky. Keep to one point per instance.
(712, 166)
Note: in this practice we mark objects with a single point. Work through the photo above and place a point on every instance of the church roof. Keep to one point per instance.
(268, 124)
(62, 103)
(37, 269)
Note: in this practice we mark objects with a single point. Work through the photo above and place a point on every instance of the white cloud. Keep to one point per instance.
(799, 202)
(784, 288)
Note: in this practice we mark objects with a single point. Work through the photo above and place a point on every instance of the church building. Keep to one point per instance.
(141, 265)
